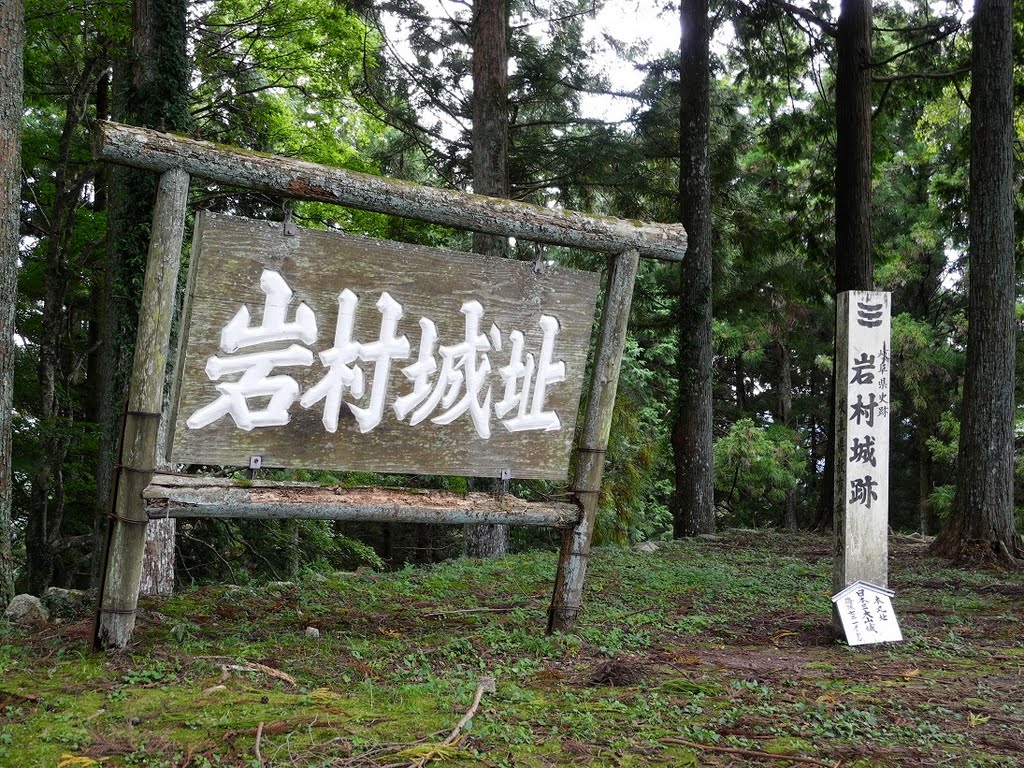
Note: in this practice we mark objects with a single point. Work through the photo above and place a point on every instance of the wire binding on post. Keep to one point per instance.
(137, 470)
(127, 520)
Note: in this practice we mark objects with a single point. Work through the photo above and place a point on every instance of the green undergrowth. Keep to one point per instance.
(698, 654)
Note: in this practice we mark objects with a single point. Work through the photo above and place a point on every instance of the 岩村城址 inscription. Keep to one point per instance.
(322, 350)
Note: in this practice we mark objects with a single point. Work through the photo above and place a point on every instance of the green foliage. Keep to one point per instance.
(943, 445)
(634, 494)
(280, 77)
(754, 468)
(241, 552)
(291, 67)
(941, 500)
(424, 89)
(274, 76)
(59, 280)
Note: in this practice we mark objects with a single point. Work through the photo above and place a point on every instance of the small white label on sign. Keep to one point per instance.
(867, 615)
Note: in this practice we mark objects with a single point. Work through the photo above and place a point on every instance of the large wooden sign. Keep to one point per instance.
(307, 349)
(318, 350)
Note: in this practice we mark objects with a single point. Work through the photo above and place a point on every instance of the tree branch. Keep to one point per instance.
(942, 35)
(824, 25)
(920, 76)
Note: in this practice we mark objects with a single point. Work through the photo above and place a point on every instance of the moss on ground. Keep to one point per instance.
(696, 654)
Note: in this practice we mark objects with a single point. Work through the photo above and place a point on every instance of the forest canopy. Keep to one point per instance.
(387, 88)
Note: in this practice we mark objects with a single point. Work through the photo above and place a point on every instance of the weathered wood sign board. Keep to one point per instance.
(319, 350)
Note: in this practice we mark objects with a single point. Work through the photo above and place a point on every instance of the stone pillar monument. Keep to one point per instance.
(861, 516)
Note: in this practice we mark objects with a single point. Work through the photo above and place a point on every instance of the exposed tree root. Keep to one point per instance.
(979, 553)
(753, 753)
(616, 672)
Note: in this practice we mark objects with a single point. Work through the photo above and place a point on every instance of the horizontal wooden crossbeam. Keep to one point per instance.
(193, 496)
(156, 151)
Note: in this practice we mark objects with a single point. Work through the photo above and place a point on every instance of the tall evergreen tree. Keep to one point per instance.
(490, 177)
(853, 148)
(853, 181)
(427, 97)
(11, 75)
(982, 520)
(916, 55)
(694, 511)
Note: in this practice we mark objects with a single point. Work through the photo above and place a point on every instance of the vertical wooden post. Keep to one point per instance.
(158, 557)
(861, 513)
(119, 588)
(572, 561)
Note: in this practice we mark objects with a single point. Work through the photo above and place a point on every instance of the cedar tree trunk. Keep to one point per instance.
(982, 520)
(490, 177)
(785, 385)
(854, 264)
(694, 511)
(12, 32)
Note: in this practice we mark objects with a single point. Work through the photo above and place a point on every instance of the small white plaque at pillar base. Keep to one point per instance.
(866, 614)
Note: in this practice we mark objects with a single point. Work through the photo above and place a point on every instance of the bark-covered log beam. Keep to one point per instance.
(156, 151)
(177, 496)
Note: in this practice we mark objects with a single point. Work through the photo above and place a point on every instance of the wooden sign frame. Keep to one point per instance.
(141, 494)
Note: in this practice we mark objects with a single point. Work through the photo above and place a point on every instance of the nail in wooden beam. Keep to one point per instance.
(119, 590)
(572, 560)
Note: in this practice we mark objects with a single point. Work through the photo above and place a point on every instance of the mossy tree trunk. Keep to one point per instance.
(982, 523)
(151, 89)
(12, 33)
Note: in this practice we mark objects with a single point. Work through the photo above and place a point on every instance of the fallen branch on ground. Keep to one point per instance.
(486, 685)
(749, 753)
(252, 666)
(259, 738)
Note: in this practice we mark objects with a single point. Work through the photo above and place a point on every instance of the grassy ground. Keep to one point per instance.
(699, 654)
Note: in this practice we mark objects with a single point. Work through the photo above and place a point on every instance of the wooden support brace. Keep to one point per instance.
(572, 560)
(175, 496)
(119, 589)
